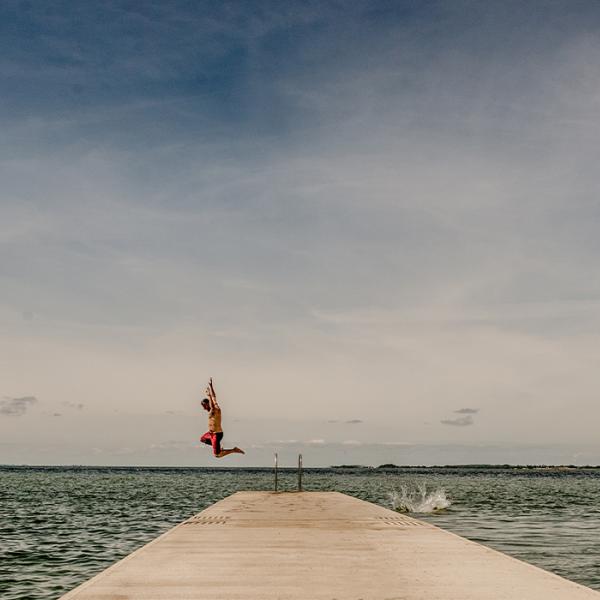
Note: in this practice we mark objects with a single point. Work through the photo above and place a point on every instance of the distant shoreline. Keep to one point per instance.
(383, 467)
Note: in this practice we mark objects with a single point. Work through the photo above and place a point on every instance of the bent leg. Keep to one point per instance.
(227, 451)
(216, 442)
(207, 438)
(221, 452)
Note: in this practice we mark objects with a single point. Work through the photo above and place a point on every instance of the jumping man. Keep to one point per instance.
(214, 435)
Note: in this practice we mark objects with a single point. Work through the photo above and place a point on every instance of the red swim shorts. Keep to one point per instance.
(213, 438)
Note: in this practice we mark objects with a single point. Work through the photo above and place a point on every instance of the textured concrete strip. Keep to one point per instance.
(318, 545)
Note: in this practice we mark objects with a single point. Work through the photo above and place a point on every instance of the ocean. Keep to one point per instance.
(59, 526)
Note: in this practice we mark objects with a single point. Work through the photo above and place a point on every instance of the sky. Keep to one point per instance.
(375, 224)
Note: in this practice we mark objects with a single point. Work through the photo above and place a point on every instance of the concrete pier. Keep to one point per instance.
(318, 545)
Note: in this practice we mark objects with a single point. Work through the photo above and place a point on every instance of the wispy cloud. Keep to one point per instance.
(16, 407)
(171, 445)
(463, 421)
(74, 405)
(459, 421)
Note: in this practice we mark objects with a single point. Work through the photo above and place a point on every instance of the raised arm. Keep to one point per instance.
(212, 396)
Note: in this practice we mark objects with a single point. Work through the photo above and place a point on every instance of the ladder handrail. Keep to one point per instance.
(276, 472)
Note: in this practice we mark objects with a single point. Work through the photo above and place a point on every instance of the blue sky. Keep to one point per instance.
(383, 212)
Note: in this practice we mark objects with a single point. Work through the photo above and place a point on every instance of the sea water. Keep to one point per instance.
(60, 526)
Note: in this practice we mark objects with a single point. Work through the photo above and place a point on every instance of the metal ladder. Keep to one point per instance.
(300, 472)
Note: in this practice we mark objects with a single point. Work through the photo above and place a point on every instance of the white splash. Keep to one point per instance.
(418, 499)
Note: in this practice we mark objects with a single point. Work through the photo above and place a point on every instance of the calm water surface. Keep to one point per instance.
(60, 526)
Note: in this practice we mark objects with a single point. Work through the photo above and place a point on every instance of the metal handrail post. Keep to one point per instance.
(299, 472)
(276, 471)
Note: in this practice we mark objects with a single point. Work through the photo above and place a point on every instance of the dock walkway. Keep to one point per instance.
(318, 545)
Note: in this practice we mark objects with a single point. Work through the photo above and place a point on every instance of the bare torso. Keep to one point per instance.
(214, 420)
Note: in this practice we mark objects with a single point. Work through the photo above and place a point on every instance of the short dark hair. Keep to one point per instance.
(205, 401)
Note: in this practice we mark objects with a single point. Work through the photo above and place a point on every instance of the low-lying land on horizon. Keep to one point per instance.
(383, 467)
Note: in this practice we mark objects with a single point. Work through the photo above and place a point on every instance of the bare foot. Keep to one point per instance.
(238, 450)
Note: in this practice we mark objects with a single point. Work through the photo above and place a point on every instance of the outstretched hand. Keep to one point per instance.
(210, 390)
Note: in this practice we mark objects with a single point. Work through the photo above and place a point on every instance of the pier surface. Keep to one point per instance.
(318, 545)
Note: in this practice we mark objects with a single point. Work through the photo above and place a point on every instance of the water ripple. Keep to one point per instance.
(58, 527)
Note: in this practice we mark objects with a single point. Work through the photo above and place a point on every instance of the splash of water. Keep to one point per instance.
(419, 499)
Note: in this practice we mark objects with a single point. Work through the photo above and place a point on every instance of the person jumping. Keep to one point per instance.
(214, 435)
